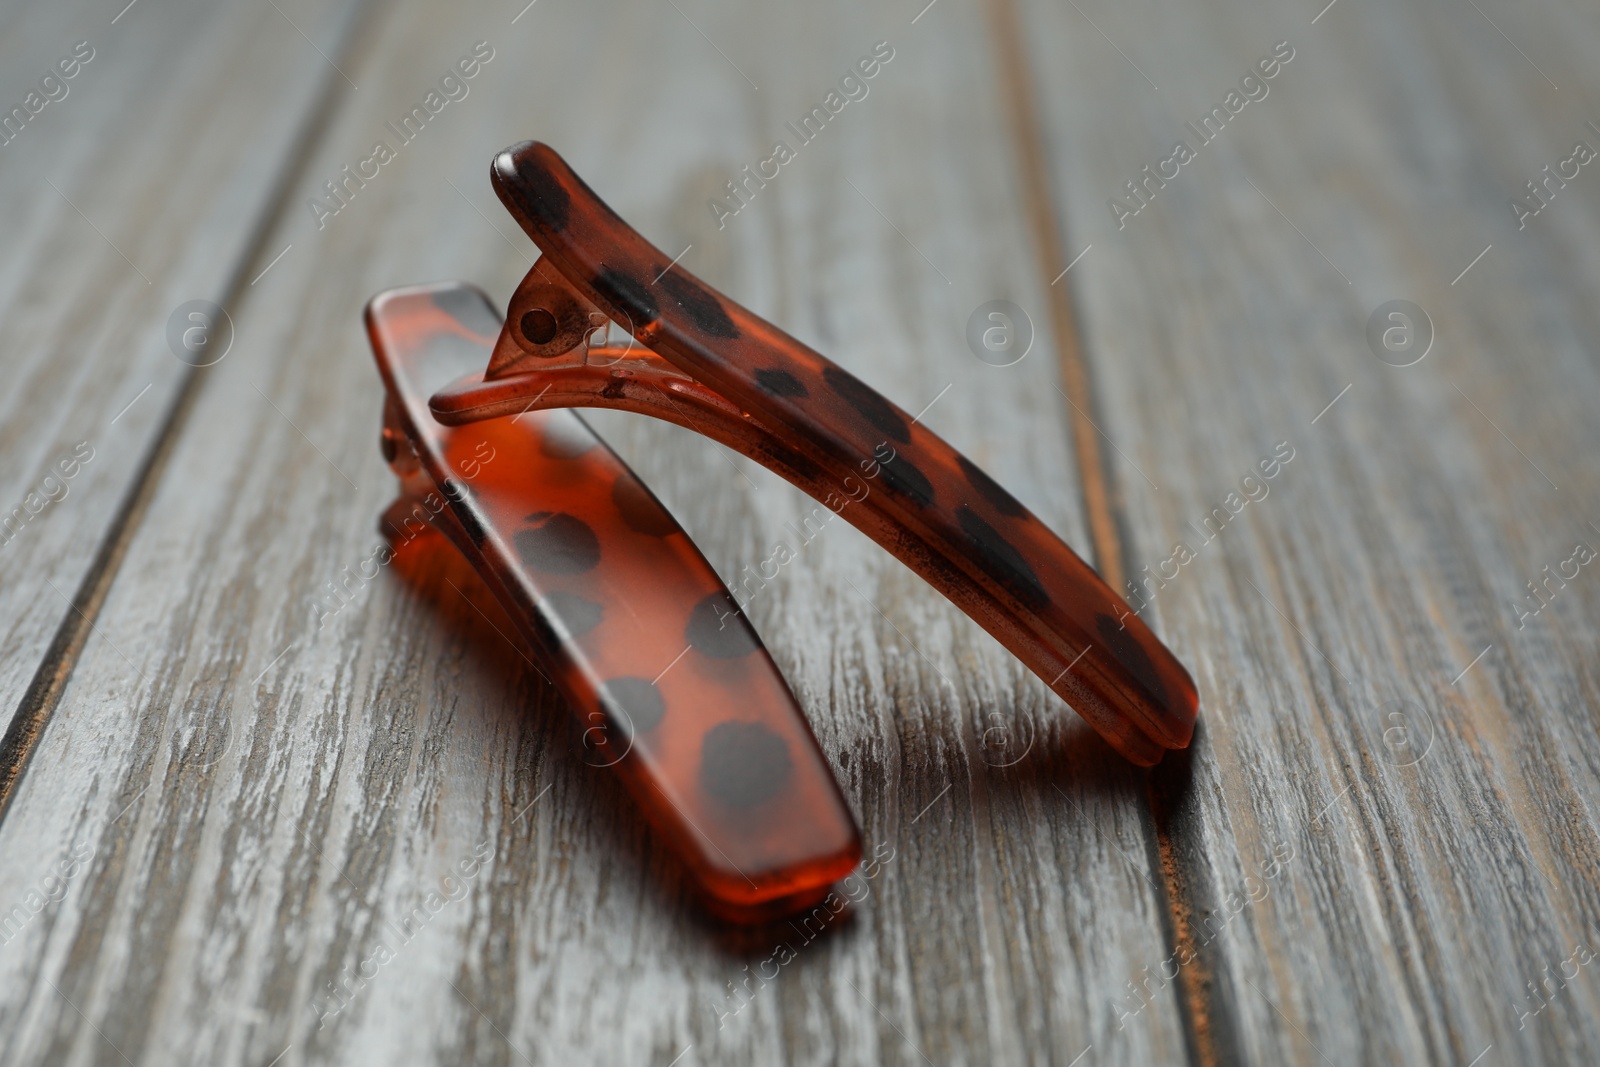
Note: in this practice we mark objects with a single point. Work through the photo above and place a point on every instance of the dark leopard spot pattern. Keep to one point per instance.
(551, 204)
(907, 480)
(868, 403)
(990, 490)
(804, 466)
(641, 511)
(557, 543)
(573, 615)
(743, 763)
(780, 383)
(1131, 655)
(628, 296)
(1001, 558)
(703, 309)
(718, 628)
(634, 704)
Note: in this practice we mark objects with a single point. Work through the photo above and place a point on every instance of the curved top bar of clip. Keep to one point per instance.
(842, 441)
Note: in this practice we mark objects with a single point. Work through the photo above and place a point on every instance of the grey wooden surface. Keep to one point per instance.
(222, 809)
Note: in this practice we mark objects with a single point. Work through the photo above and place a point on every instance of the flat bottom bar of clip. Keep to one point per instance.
(632, 623)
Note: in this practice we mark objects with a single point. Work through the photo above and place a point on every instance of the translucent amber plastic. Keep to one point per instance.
(669, 683)
(710, 364)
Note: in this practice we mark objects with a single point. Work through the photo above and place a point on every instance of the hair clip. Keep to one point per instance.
(698, 359)
(670, 686)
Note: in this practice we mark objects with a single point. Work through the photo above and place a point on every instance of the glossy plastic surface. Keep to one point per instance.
(670, 684)
(742, 380)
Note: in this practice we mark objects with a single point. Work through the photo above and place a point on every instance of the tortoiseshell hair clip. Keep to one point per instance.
(668, 683)
(631, 621)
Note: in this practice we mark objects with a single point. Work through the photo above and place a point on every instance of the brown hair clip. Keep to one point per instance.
(706, 363)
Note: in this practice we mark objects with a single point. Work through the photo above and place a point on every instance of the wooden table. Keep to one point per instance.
(1383, 845)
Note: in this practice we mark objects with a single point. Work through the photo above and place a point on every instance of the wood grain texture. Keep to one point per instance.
(117, 215)
(267, 801)
(1424, 894)
(242, 810)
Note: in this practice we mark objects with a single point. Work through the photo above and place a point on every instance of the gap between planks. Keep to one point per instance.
(1105, 524)
(43, 694)
(1207, 1023)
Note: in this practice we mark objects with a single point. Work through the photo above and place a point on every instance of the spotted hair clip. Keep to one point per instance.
(669, 683)
(694, 357)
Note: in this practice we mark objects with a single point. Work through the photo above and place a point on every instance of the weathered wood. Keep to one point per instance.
(1423, 894)
(239, 806)
(131, 193)
(267, 800)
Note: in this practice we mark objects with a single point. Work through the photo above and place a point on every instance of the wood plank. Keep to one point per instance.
(116, 218)
(265, 800)
(1440, 861)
